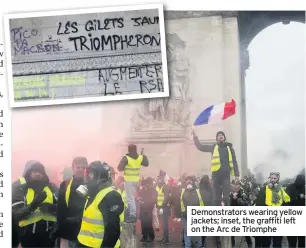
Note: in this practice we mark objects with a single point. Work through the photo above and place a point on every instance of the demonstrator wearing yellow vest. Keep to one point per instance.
(190, 196)
(271, 194)
(104, 209)
(163, 206)
(223, 166)
(131, 164)
(34, 206)
(70, 204)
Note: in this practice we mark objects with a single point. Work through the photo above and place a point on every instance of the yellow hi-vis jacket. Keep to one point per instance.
(132, 169)
(183, 209)
(68, 190)
(92, 228)
(284, 197)
(216, 163)
(37, 215)
(160, 196)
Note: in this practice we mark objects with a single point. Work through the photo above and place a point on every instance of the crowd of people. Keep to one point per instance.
(90, 208)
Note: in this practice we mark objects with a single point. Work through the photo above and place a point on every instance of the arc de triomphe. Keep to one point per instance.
(207, 59)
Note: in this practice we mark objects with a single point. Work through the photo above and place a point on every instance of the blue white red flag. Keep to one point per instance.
(216, 113)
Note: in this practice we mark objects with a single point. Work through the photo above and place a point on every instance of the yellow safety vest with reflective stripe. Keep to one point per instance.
(68, 190)
(160, 196)
(38, 215)
(132, 169)
(284, 197)
(183, 209)
(92, 228)
(216, 163)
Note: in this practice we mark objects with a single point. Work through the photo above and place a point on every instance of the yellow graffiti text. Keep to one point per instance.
(69, 80)
(28, 82)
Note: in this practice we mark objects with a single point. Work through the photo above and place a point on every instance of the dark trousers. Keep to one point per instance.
(203, 241)
(299, 240)
(146, 217)
(165, 219)
(221, 185)
(265, 242)
(37, 240)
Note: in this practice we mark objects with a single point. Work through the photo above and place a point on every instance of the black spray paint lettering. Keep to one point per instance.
(107, 24)
(141, 21)
(130, 73)
(69, 27)
(112, 89)
(114, 42)
(147, 86)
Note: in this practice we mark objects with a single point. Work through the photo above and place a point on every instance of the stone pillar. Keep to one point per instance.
(244, 65)
(128, 236)
(232, 126)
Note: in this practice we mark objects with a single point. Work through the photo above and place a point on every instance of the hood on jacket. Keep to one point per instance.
(300, 181)
(28, 165)
(35, 166)
(132, 151)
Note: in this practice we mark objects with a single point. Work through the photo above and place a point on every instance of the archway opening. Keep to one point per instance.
(275, 105)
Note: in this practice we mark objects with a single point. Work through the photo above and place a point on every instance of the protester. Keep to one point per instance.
(223, 165)
(296, 191)
(239, 198)
(190, 196)
(163, 207)
(34, 206)
(147, 196)
(70, 204)
(104, 209)
(130, 164)
(206, 190)
(271, 194)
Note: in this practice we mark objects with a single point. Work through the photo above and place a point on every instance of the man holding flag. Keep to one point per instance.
(223, 160)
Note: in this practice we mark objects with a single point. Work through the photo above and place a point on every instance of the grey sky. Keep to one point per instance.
(275, 88)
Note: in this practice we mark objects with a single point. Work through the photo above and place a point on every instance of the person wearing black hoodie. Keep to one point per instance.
(147, 196)
(296, 191)
(34, 207)
(223, 165)
(130, 164)
(239, 198)
(70, 204)
(207, 192)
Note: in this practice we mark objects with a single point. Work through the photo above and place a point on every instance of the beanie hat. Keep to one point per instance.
(221, 132)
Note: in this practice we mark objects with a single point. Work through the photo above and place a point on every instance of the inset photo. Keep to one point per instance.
(91, 55)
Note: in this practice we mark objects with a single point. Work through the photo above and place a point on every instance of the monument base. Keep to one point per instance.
(159, 132)
(128, 236)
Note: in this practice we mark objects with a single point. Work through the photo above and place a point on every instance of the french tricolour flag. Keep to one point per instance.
(216, 113)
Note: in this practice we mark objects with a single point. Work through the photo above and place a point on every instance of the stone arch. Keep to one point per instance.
(250, 24)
